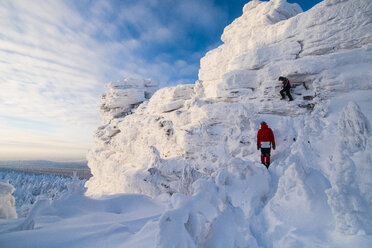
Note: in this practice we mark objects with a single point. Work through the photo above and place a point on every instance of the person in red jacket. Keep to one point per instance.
(265, 140)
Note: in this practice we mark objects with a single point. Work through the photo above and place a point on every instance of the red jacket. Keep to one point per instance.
(265, 134)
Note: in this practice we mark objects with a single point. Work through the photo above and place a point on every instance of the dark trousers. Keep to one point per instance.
(265, 156)
(287, 91)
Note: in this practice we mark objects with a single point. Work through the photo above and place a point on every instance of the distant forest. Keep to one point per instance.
(44, 163)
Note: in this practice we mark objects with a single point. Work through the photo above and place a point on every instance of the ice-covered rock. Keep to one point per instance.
(190, 124)
(187, 139)
(354, 127)
(7, 202)
(274, 38)
(123, 96)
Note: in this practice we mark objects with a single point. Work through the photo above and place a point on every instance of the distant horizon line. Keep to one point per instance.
(42, 160)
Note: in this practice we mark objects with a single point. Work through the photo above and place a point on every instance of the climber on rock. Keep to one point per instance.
(286, 87)
(265, 140)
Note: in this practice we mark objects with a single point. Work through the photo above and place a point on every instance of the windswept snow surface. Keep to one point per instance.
(192, 148)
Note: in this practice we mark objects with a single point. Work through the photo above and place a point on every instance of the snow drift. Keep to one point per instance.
(7, 202)
(193, 147)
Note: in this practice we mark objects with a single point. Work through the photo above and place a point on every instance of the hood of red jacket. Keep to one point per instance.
(264, 126)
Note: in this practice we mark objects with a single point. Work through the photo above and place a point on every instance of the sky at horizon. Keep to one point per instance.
(56, 57)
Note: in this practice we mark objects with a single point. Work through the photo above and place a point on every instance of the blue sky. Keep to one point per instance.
(56, 56)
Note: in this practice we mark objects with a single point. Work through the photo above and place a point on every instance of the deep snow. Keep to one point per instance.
(191, 148)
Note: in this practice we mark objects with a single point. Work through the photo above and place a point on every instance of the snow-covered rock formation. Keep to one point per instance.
(196, 143)
(7, 202)
(123, 96)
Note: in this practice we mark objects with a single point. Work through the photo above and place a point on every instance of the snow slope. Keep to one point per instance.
(192, 148)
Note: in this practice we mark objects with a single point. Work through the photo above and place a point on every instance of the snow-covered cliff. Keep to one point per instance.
(196, 144)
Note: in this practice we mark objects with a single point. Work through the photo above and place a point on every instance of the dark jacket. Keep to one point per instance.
(286, 84)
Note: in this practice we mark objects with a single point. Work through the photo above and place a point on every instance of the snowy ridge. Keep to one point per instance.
(192, 148)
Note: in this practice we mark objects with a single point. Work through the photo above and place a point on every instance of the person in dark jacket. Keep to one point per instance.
(265, 140)
(286, 86)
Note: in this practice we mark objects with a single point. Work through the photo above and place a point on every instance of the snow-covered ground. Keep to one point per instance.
(179, 167)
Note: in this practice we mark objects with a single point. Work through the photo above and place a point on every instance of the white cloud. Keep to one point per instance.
(55, 57)
(48, 68)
